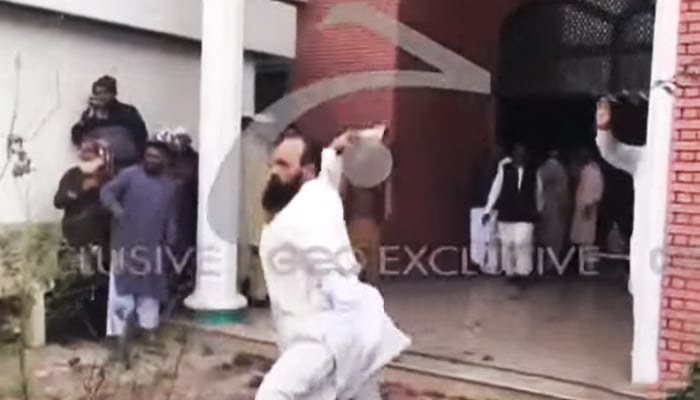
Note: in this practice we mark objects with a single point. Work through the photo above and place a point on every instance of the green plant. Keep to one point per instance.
(28, 262)
(692, 392)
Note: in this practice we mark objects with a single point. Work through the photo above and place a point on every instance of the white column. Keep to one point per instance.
(249, 86)
(650, 212)
(219, 129)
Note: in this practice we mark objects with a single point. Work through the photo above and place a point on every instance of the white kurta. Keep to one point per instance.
(316, 298)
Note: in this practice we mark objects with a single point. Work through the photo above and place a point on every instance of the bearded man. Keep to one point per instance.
(141, 200)
(333, 333)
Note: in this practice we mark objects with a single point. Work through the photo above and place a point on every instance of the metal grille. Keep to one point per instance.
(581, 28)
(639, 29)
(577, 47)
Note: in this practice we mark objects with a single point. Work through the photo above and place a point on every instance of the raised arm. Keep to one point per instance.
(495, 190)
(620, 155)
(331, 167)
(332, 160)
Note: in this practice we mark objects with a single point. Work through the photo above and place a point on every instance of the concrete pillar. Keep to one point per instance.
(650, 212)
(220, 114)
(249, 86)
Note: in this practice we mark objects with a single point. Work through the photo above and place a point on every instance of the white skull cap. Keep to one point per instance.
(162, 135)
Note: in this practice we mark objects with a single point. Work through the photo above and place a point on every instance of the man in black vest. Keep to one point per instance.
(515, 200)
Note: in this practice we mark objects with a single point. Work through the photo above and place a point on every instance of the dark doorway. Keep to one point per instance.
(566, 123)
(543, 123)
(271, 84)
(557, 58)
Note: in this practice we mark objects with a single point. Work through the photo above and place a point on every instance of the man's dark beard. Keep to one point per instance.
(278, 194)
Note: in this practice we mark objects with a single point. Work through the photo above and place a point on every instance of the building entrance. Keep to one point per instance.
(557, 59)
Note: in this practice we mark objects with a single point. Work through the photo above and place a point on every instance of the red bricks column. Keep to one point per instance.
(679, 345)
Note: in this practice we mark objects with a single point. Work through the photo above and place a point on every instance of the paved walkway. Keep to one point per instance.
(578, 330)
(575, 330)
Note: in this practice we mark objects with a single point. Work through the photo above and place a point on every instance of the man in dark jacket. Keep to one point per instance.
(119, 124)
(184, 170)
(516, 197)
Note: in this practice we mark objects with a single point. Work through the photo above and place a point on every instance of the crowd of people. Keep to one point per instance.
(136, 196)
(129, 209)
(535, 215)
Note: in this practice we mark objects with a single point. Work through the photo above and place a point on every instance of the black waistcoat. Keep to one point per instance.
(515, 205)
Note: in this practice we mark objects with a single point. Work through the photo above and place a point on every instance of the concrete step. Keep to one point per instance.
(429, 374)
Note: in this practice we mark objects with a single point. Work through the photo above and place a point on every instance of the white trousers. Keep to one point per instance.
(120, 308)
(305, 371)
(517, 247)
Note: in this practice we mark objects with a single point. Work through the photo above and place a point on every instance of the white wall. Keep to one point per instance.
(158, 75)
(270, 26)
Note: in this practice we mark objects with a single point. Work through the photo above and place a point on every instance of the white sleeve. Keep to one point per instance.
(328, 256)
(495, 190)
(322, 233)
(331, 167)
(620, 155)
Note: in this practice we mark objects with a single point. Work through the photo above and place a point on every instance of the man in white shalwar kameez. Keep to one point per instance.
(333, 334)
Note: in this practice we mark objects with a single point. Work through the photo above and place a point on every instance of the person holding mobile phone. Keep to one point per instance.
(120, 124)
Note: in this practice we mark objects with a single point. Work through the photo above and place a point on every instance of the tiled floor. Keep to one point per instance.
(573, 330)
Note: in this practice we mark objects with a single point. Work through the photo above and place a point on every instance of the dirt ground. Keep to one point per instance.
(183, 366)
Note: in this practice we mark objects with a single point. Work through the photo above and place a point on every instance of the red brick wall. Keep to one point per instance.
(326, 52)
(440, 134)
(680, 315)
(445, 134)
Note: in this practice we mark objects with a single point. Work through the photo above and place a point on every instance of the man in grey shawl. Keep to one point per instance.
(553, 224)
(141, 199)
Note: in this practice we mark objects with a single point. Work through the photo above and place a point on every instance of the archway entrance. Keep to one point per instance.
(557, 58)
